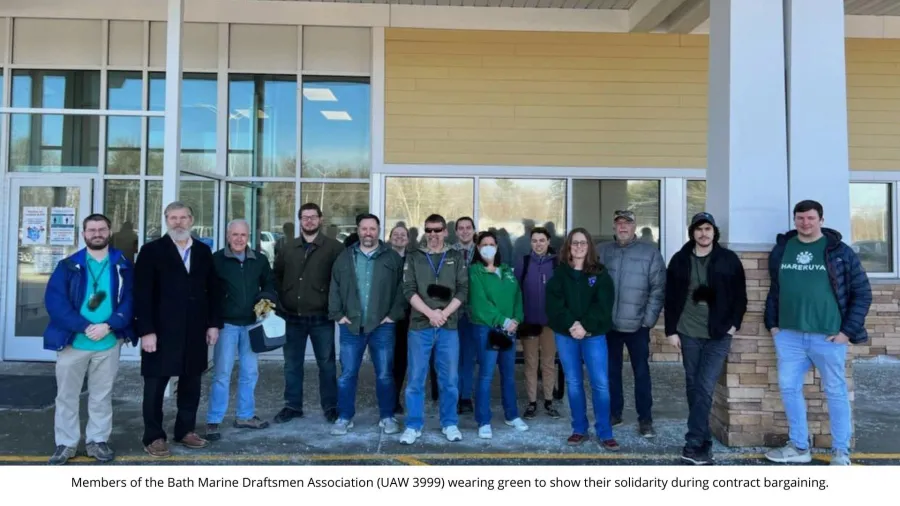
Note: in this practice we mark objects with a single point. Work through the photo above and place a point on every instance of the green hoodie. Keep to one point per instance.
(573, 296)
(494, 296)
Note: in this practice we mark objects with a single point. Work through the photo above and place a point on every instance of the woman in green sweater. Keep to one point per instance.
(579, 305)
(495, 304)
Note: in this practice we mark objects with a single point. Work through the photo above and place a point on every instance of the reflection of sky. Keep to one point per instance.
(868, 197)
(198, 111)
(334, 141)
(279, 124)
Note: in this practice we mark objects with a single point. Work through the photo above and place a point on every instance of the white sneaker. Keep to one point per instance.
(410, 436)
(390, 425)
(840, 458)
(452, 432)
(341, 427)
(518, 424)
(789, 454)
(484, 432)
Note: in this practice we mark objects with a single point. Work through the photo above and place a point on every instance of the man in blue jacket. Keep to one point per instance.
(817, 305)
(89, 301)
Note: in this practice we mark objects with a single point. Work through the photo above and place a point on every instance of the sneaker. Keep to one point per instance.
(452, 432)
(485, 432)
(62, 455)
(610, 444)
(530, 411)
(390, 425)
(646, 430)
(552, 412)
(193, 441)
(410, 436)
(840, 458)
(341, 427)
(789, 454)
(331, 414)
(697, 456)
(212, 432)
(158, 448)
(518, 424)
(100, 451)
(615, 421)
(576, 439)
(287, 414)
(250, 423)
(465, 406)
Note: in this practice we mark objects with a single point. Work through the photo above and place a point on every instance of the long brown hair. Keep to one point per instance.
(591, 264)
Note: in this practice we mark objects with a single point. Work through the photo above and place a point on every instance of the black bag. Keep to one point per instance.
(499, 340)
(268, 334)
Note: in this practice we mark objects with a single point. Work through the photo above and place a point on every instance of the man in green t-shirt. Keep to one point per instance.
(89, 301)
(817, 304)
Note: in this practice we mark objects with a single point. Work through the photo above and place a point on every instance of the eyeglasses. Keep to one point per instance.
(434, 230)
(309, 218)
(579, 244)
(95, 300)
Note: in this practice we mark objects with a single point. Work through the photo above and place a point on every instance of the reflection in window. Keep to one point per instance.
(409, 200)
(340, 203)
(198, 123)
(268, 208)
(125, 91)
(201, 196)
(870, 225)
(336, 134)
(696, 199)
(512, 207)
(123, 145)
(56, 89)
(122, 207)
(262, 126)
(54, 143)
(595, 201)
(153, 208)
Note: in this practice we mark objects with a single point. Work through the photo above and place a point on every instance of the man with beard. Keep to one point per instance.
(366, 300)
(468, 348)
(177, 317)
(89, 301)
(706, 298)
(302, 280)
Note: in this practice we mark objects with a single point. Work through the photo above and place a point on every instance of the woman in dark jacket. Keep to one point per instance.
(580, 298)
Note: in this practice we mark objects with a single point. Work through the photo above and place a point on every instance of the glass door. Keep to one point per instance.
(48, 213)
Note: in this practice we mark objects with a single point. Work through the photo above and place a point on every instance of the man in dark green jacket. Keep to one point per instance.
(245, 278)
(366, 299)
(302, 278)
(436, 283)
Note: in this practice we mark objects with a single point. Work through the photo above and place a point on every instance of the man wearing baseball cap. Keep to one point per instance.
(706, 299)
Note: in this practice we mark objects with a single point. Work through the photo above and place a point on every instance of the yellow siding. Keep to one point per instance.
(873, 103)
(545, 98)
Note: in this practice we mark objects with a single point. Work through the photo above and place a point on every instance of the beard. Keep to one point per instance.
(368, 241)
(179, 234)
(98, 243)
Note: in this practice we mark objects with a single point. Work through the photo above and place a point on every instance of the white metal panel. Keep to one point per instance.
(337, 49)
(201, 46)
(263, 48)
(57, 41)
(126, 43)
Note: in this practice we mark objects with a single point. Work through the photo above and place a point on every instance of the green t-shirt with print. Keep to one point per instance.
(806, 301)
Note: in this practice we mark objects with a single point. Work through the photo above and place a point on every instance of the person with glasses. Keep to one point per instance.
(436, 284)
(580, 298)
(399, 240)
(468, 351)
(89, 301)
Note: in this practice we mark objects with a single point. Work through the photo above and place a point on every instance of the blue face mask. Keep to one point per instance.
(488, 252)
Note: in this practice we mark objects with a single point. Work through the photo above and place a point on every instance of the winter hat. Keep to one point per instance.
(699, 219)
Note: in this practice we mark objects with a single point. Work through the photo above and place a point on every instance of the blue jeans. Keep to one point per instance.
(381, 349)
(796, 352)
(593, 352)
(638, 344)
(233, 339)
(468, 353)
(703, 360)
(445, 343)
(487, 359)
(321, 332)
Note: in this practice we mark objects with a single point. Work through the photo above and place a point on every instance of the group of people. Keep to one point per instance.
(440, 310)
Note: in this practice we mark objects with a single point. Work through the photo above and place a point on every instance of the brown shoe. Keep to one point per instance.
(158, 449)
(193, 441)
(251, 423)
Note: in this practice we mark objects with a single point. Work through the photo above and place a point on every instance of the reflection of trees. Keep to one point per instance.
(696, 198)
(411, 199)
(507, 203)
(321, 168)
(868, 224)
(340, 202)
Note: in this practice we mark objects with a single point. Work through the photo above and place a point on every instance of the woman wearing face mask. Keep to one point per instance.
(495, 303)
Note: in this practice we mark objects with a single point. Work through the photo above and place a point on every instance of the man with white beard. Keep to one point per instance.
(177, 319)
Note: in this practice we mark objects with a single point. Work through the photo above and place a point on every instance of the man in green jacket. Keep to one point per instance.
(366, 300)
(436, 283)
(302, 278)
(245, 278)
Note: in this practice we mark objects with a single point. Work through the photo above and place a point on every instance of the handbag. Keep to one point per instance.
(499, 340)
(268, 334)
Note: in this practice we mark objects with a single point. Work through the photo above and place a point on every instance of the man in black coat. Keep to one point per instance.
(177, 318)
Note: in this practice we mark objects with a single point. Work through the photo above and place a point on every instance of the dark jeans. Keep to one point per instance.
(468, 355)
(703, 361)
(638, 344)
(320, 331)
(188, 392)
(400, 346)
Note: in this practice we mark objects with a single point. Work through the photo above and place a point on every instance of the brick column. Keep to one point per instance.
(747, 408)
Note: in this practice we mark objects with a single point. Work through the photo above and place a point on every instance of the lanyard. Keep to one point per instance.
(94, 277)
(437, 272)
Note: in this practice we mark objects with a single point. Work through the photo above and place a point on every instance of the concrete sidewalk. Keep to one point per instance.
(27, 436)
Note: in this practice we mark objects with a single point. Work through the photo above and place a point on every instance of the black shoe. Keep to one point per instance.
(212, 432)
(697, 456)
(287, 414)
(465, 406)
(530, 411)
(331, 414)
(615, 421)
(551, 411)
(646, 430)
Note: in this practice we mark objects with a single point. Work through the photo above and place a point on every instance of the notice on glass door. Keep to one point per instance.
(34, 226)
(62, 226)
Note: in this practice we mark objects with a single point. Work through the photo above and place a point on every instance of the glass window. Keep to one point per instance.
(340, 203)
(123, 134)
(409, 200)
(198, 123)
(336, 132)
(122, 207)
(201, 195)
(262, 126)
(512, 207)
(56, 89)
(595, 201)
(870, 225)
(696, 199)
(54, 143)
(153, 209)
(268, 208)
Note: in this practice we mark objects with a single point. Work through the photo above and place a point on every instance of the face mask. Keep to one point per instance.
(488, 251)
